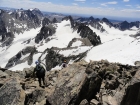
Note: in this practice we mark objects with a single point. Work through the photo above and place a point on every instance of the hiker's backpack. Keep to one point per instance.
(40, 69)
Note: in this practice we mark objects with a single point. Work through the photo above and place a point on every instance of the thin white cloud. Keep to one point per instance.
(75, 4)
(130, 11)
(113, 2)
(128, 5)
(126, 0)
(45, 6)
(80, 0)
(105, 4)
(138, 6)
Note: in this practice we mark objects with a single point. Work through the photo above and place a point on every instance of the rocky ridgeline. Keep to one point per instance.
(84, 31)
(81, 83)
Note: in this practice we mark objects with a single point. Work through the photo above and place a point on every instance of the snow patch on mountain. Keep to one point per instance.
(75, 51)
(9, 51)
(76, 44)
(64, 34)
(124, 50)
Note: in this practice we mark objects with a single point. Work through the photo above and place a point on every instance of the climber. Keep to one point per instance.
(64, 64)
(40, 72)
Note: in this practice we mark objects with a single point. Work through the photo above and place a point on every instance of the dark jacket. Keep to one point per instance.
(40, 71)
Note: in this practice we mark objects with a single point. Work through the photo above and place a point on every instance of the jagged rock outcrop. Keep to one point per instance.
(137, 63)
(71, 20)
(94, 22)
(11, 93)
(101, 82)
(97, 25)
(131, 96)
(53, 58)
(84, 42)
(107, 22)
(31, 17)
(54, 20)
(17, 58)
(136, 36)
(45, 32)
(7, 37)
(12, 24)
(126, 25)
(17, 22)
(86, 32)
(80, 83)
(45, 22)
(37, 12)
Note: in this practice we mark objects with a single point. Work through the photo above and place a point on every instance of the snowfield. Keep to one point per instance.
(117, 46)
(7, 52)
(122, 50)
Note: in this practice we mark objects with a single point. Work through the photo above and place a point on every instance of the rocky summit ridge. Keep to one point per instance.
(81, 83)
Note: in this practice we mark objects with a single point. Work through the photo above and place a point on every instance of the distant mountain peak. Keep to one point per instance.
(34, 9)
(105, 20)
(91, 18)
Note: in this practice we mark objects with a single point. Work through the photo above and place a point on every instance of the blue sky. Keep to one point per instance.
(112, 8)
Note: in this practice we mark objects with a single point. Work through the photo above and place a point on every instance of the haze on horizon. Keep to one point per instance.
(129, 9)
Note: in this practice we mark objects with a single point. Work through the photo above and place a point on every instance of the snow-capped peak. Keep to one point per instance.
(36, 9)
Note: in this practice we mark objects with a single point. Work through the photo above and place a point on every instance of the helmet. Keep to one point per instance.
(65, 61)
(36, 62)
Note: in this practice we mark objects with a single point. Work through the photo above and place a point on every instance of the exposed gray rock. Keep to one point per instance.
(35, 97)
(84, 102)
(45, 32)
(11, 93)
(53, 58)
(54, 20)
(28, 72)
(94, 102)
(45, 22)
(3, 74)
(85, 42)
(131, 96)
(80, 83)
(17, 58)
(137, 63)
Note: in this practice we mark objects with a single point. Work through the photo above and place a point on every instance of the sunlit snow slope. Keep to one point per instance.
(7, 52)
(117, 46)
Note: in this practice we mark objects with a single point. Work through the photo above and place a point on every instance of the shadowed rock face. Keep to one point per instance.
(11, 93)
(46, 22)
(31, 17)
(17, 22)
(16, 59)
(132, 96)
(102, 82)
(93, 22)
(126, 25)
(71, 20)
(107, 22)
(86, 32)
(53, 58)
(45, 32)
(54, 20)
